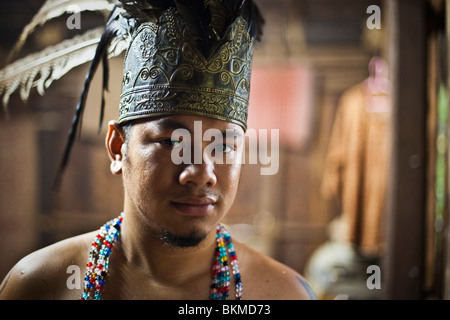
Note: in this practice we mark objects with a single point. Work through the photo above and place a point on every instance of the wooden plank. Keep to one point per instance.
(403, 270)
(446, 274)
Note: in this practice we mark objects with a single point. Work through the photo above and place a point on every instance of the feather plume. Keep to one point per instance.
(249, 11)
(39, 70)
(55, 8)
(114, 31)
(198, 16)
(42, 68)
(144, 10)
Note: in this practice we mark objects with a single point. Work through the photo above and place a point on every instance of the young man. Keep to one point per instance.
(168, 242)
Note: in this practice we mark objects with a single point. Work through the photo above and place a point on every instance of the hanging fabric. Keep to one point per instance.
(357, 163)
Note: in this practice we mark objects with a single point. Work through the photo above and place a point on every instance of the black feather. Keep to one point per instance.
(197, 19)
(105, 88)
(255, 21)
(249, 11)
(145, 10)
(101, 53)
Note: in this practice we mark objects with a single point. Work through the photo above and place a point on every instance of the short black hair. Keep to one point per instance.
(126, 128)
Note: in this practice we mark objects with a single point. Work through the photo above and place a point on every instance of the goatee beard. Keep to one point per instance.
(175, 240)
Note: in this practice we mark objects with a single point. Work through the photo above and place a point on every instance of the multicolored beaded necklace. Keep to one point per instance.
(97, 267)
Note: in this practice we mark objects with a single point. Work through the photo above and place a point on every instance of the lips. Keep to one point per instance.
(195, 206)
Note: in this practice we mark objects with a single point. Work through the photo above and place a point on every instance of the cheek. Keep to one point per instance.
(145, 172)
(229, 180)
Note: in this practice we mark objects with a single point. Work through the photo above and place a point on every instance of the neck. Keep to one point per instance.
(147, 252)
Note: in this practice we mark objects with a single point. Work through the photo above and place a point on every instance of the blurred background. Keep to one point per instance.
(359, 92)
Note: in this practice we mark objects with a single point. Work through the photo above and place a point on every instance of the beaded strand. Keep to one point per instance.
(221, 268)
(98, 264)
(97, 267)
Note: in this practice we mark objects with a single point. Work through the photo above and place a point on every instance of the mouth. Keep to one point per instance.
(195, 206)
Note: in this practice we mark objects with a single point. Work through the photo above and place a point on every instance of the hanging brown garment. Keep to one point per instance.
(357, 165)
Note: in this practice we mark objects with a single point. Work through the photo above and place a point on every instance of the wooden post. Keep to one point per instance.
(403, 269)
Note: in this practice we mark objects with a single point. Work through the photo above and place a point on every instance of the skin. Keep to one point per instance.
(161, 198)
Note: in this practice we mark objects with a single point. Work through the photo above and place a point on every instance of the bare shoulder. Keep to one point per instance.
(264, 278)
(43, 274)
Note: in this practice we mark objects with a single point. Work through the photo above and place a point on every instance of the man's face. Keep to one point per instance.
(181, 202)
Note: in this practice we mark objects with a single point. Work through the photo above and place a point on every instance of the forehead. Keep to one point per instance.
(188, 122)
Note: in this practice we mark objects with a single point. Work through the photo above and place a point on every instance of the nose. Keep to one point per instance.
(198, 174)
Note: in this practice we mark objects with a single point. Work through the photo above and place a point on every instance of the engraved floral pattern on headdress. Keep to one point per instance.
(147, 47)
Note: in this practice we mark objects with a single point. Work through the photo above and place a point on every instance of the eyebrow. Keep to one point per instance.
(171, 124)
(234, 132)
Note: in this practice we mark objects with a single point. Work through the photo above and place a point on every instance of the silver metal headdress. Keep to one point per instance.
(166, 74)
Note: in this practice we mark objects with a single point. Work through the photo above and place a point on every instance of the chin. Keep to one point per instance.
(192, 239)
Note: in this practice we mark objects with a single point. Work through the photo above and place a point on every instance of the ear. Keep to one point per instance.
(114, 142)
